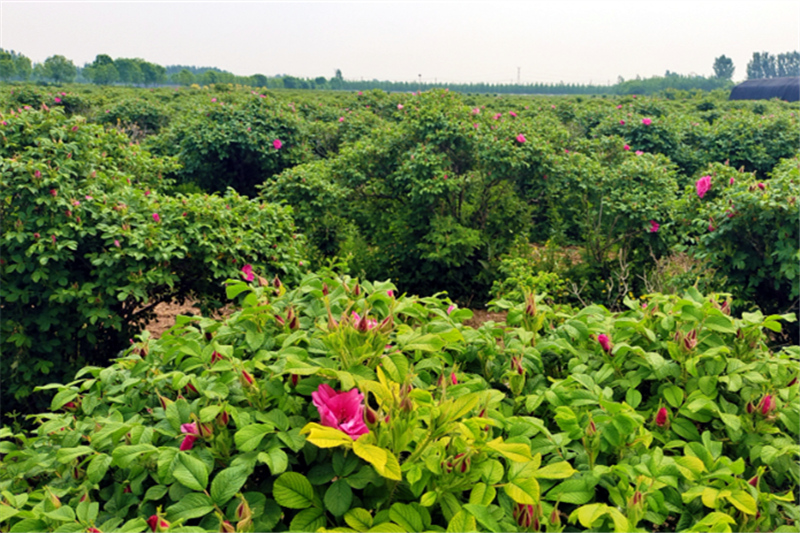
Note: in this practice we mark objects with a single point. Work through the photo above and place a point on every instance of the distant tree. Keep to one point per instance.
(184, 77)
(129, 70)
(762, 65)
(259, 80)
(789, 64)
(153, 74)
(7, 68)
(102, 71)
(337, 81)
(209, 77)
(58, 69)
(723, 68)
(320, 82)
(23, 67)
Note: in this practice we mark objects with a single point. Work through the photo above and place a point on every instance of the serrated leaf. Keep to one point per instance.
(575, 491)
(482, 494)
(561, 470)
(463, 521)
(249, 437)
(190, 472)
(192, 505)
(406, 516)
(338, 497)
(293, 490)
(156, 492)
(7, 512)
(359, 519)
(123, 456)
(308, 520)
(276, 459)
(383, 461)
(743, 501)
(516, 452)
(98, 466)
(65, 455)
(523, 490)
(227, 483)
(326, 437)
(484, 516)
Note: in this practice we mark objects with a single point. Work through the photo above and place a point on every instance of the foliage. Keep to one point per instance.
(747, 229)
(90, 243)
(723, 67)
(670, 415)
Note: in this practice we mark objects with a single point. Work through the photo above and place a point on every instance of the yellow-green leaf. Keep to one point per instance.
(384, 462)
(743, 501)
(709, 497)
(561, 470)
(517, 452)
(524, 491)
(325, 437)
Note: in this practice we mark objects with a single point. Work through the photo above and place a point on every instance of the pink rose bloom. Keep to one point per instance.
(512, 113)
(731, 181)
(497, 116)
(57, 100)
(619, 106)
(156, 217)
(626, 147)
(646, 121)
(191, 432)
(703, 185)
(521, 138)
(399, 106)
(639, 152)
(654, 226)
(476, 111)
(341, 119)
(116, 243)
(605, 342)
(213, 100)
(341, 410)
(450, 308)
(453, 378)
(247, 271)
(277, 144)
(622, 122)
(390, 292)
(761, 186)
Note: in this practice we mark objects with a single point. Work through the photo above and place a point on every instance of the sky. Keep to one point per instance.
(535, 41)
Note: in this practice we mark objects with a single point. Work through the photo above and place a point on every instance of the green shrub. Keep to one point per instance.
(90, 246)
(673, 415)
(143, 115)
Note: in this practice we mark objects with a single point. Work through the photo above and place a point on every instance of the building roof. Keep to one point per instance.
(764, 89)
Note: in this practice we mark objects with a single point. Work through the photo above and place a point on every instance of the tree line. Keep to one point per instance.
(134, 71)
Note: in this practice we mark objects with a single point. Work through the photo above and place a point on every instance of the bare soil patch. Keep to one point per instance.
(481, 316)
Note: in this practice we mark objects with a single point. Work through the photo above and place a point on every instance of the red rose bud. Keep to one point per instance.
(453, 378)
(276, 282)
(70, 406)
(294, 379)
(324, 289)
(662, 417)
(243, 511)
(461, 463)
(370, 415)
(753, 481)
(690, 341)
(605, 342)
(227, 527)
(93, 530)
(206, 430)
(216, 356)
(749, 408)
(294, 324)
(555, 518)
(767, 404)
(247, 379)
(223, 418)
(157, 524)
(725, 308)
(357, 289)
(523, 514)
(793, 382)
(83, 498)
(164, 402)
(591, 430)
(280, 320)
(191, 388)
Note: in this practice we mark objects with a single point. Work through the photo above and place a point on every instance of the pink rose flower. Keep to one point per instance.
(247, 270)
(654, 226)
(277, 144)
(521, 138)
(703, 185)
(626, 147)
(605, 342)
(191, 432)
(647, 121)
(662, 417)
(156, 217)
(341, 410)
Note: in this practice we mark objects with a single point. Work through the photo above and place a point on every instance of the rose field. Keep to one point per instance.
(643, 253)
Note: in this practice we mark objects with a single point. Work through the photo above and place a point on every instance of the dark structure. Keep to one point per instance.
(764, 89)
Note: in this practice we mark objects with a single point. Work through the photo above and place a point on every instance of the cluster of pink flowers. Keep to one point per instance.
(703, 185)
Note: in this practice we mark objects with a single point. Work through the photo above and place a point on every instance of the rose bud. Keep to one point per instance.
(605, 342)
(227, 527)
(662, 417)
(223, 418)
(767, 404)
(753, 481)
(294, 378)
(523, 514)
(247, 379)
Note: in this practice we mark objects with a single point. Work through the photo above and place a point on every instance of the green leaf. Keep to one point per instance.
(338, 497)
(462, 522)
(7, 512)
(406, 516)
(156, 492)
(190, 472)
(720, 323)
(62, 398)
(293, 490)
(193, 505)
(732, 421)
(249, 437)
(276, 459)
(484, 516)
(124, 455)
(227, 483)
(685, 429)
(64, 513)
(674, 396)
(65, 455)
(308, 520)
(575, 491)
(98, 466)
(359, 519)
(482, 494)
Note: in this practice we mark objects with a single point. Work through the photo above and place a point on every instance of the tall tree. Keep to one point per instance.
(58, 69)
(129, 70)
(102, 71)
(789, 64)
(723, 68)
(7, 68)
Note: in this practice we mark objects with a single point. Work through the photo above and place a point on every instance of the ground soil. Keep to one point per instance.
(166, 313)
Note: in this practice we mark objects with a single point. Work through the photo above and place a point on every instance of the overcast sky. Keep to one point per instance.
(549, 41)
